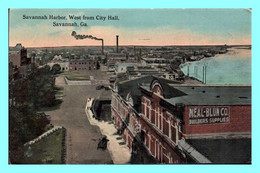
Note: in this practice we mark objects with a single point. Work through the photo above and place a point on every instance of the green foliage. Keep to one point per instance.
(25, 124)
(98, 65)
(49, 150)
(38, 89)
(175, 64)
(56, 69)
(26, 96)
(15, 147)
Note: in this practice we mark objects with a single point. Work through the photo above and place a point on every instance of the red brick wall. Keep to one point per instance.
(15, 58)
(168, 151)
(240, 121)
(82, 65)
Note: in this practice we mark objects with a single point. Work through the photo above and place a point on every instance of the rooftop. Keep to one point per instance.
(17, 47)
(228, 151)
(204, 94)
(213, 95)
(132, 87)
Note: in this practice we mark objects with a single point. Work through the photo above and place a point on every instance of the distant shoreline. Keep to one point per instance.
(230, 52)
(229, 46)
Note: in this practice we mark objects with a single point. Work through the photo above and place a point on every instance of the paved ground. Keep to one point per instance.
(82, 138)
(119, 151)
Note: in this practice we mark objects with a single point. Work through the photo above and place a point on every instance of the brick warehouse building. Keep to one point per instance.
(18, 56)
(82, 65)
(184, 124)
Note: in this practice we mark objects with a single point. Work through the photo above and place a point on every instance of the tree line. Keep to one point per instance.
(27, 94)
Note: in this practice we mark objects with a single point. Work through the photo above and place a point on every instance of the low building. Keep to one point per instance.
(63, 64)
(18, 56)
(82, 65)
(103, 68)
(113, 58)
(123, 67)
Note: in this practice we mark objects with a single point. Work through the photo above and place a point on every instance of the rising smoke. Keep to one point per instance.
(74, 34)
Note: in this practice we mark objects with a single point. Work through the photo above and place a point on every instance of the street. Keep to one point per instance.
(82, 138)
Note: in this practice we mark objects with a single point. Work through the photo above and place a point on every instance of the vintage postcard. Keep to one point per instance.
(129, 86)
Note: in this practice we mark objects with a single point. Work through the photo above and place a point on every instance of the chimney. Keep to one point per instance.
(102, 47)
(117, 43)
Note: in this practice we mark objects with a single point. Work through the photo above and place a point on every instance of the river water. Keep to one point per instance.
(234, 67)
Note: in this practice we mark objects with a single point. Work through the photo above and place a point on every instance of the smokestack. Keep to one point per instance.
(78, 36)
(140, 55)
(102, 47)
(117, 43)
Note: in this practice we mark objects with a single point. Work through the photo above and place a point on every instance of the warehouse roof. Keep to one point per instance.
(132, 87)
(228, 151)
(213, 95)
(203, 94)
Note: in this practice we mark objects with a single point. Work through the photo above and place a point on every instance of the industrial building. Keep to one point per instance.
(18, 56)
(82, 65)
(19, 62)
(113, 58)
(175, 123)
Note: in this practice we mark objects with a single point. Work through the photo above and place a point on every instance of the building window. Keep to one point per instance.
(157, 150)
(160, 119)
(158, 116)
(147, 141)
(153, 116)
(143, 136)
(165, 127)
(143, 108)
(153, 146)
(147, 112)
(174, 134)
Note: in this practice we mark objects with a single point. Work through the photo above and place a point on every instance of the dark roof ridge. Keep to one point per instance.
(168, 91)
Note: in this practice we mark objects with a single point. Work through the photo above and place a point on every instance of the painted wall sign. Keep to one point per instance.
(208, 114)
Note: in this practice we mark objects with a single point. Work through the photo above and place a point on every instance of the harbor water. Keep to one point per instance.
(231, 68)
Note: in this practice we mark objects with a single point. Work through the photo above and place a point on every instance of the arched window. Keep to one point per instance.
(156, 88)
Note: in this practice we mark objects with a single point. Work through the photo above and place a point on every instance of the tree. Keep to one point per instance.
(56, 69)
(21, 92)
(41, 87)
(15, 148)
(98, 65)
(25, 124)
(30, 93)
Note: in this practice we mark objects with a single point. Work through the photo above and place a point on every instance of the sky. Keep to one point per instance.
(151, 27)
